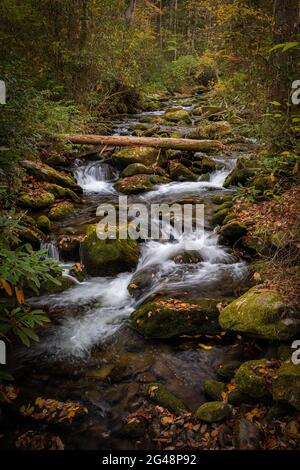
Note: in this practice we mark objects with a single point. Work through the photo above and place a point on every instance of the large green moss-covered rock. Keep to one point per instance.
(137, 169)
(261, 313)
(233, 231)
(251, 378)
(181, 173)
(46, 173)
(204, 165)
(110, 256)
(286, 384)
(44, 224)
(212, 130)
(60, 192)
(214, 389)
(213, 412)
(244, 170)
(219, 216)
(168, 317)
(145, 155)
(36, 199)
(61, 210)
(160, 395)
(139, 183)
(177, 115)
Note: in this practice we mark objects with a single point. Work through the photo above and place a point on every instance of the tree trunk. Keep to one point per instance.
(129, 14)
(286, 29)
(162, 143)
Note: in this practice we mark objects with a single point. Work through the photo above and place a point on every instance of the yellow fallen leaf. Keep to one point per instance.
(205, 346)
(6, 286)
(19, 295)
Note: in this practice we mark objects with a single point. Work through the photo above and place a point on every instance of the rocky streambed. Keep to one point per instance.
(147, 337)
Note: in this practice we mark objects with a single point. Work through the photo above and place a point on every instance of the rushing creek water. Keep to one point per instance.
(90, 320)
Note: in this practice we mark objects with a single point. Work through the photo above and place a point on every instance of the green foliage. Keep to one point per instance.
(21, 268)
(20, 323)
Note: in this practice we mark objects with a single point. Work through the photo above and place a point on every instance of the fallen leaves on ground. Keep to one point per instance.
(53, 411)
(184, 432)
(32, 440)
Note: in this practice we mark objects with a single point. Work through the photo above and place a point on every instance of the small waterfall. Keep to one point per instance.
(51, 249)
(95, 177)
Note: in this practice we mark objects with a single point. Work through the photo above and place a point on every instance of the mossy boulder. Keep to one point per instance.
(233, 231)
(227, 370)
(59, 192)
(244, 170)
(62, 283)
(213, 412)
(261, 313)
(31, 235)
(135, 429)
(204, 165)
(177, 115)
(179, 172)
(169, 317)
(159, 394)
(286, 384)
(237, 398)
(61, 210)
(252, 378)
(214, 389)
(110, 256)
(137, 169)
(219, 216)
(56, 160)
(36, 199)
(45, 173)
(197, 111)
(211, 130)
(44, 224)
(139, 183)
(218, 200)
(264, 182)
(144, 155)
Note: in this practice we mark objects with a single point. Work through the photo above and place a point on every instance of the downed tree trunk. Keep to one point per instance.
(157, 142)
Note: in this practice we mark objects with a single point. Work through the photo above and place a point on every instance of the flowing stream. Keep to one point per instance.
(90, 320)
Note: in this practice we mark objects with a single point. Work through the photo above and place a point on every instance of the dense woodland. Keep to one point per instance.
(80, 66)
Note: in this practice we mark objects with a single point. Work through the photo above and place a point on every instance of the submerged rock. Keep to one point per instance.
(168, 317)
(213, 412)
(261, 313)
(142, 281)
(110, 256)
(160, 395)
(286, 384)
(144, 155)
(36, 199)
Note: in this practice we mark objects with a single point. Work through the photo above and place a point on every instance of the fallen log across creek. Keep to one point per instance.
(156, 142)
